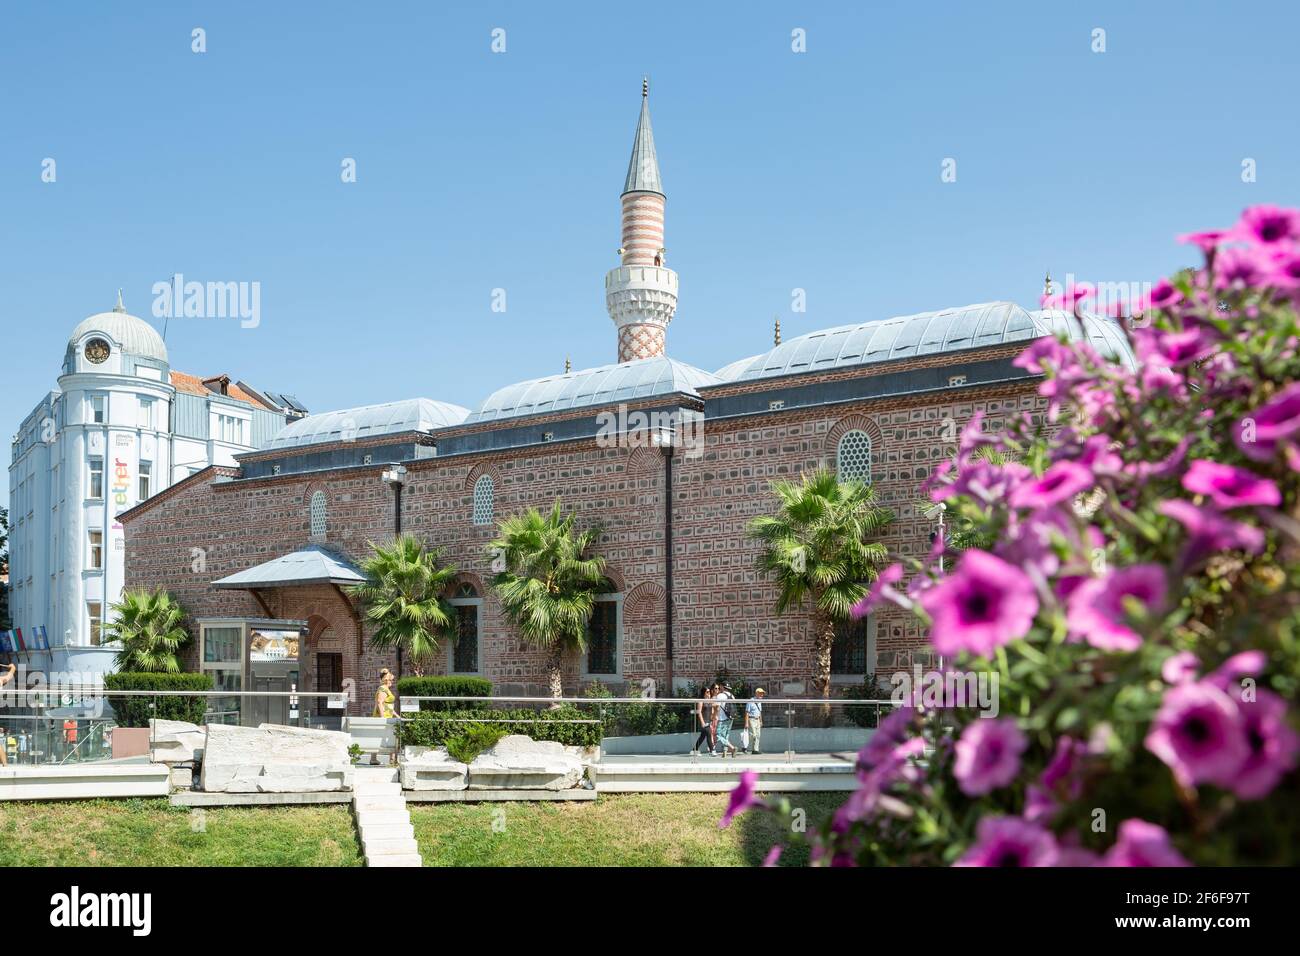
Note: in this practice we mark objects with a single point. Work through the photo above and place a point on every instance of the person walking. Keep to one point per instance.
(705, 720)
(713, 720)
(754, 723)
(384, 696)
(722, 699)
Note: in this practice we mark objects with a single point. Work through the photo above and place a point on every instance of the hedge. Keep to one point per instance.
(136, 711)
(434, 728)
(444, 687)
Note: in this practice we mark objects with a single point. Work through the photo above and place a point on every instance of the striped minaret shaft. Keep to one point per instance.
(641, 294)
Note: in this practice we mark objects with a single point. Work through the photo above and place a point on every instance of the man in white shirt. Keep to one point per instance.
(754, 722)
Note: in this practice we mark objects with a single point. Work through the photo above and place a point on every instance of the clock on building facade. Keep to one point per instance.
(97, 351)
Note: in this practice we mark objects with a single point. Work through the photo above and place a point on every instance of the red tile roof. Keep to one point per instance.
(194, 385)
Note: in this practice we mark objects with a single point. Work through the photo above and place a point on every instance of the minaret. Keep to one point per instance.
(641, 294)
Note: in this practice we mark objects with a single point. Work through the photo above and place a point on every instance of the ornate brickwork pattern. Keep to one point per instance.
(640, 342)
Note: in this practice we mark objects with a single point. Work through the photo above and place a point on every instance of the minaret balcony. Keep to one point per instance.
(641, 278)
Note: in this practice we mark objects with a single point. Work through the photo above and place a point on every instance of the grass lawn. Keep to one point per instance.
(154, 833)
(618, 829)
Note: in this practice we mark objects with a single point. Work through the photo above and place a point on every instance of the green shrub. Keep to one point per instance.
(430, 728)
(868, 714)
(653, 716)
(475, 739)
(444, 687)
(137, 711)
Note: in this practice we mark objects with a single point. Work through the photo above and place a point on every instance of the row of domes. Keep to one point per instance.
(928, 333)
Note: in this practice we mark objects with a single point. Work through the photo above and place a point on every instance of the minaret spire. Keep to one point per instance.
(641, 294)
(643, 167)
(776, 337)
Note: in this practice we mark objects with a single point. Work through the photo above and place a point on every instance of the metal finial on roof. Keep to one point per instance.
(776, 338)
(568, 366)
(119, 307)
(1047, 283)
(643, 168)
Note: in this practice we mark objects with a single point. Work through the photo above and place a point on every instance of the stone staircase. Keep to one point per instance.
(383, 822)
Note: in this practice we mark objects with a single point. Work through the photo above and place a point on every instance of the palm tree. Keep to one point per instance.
(549, 583)
(404, 598)
(818, 546)
(150, 626)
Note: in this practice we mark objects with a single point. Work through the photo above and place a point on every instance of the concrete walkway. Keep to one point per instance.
(383, 822)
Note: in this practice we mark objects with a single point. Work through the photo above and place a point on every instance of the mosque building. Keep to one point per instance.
(671, 461)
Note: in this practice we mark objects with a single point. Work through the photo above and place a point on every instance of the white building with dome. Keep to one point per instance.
(120, 426)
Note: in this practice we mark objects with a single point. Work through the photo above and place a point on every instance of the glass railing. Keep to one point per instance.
(96, 724)
(678, 726)
(123, 725)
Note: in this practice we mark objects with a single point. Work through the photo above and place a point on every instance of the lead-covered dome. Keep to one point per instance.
(623, 382)
(369, 421)
(929, 333)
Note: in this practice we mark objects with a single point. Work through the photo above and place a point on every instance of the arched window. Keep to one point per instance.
(853, 457)
(317, 512)
(483, 500)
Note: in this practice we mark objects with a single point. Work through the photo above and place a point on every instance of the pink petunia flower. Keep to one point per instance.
(1180, 668)
(988, 755)
(1199, 734)
(1144, 470)
(1269, 224)
(1286, 268)
(1163, 295)
(895, 729)
(1209, 531)
(1230, 487)
(1238, 268)
(1096, 611)
(1239, 665)
(1143, 844)
(1099, 457)
(773, 855)
(1206, 241)
(982, 605)
(742, 798)
(1067, 299)
(1009, 842)
(1175, 349)
(1059, 780)
(1258, 433)
(1061, 482)
(1273, 746)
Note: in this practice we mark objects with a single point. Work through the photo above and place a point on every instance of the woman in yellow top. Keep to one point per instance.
(384, 697)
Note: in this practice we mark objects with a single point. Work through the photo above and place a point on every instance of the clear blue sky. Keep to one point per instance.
(477, 170)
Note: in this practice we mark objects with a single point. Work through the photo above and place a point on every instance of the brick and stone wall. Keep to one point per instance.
(210, 527)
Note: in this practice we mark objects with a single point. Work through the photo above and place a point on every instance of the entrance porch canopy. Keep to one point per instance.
(306, 566)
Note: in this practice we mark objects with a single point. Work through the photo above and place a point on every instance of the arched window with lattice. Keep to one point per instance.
(317, 512)
(853, 456)
(484, 500)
